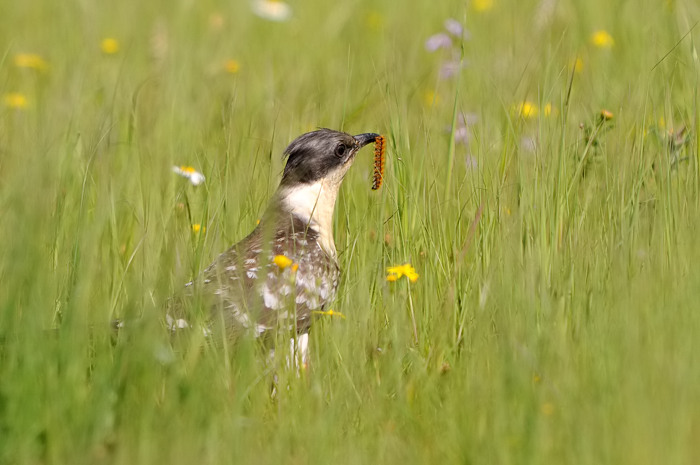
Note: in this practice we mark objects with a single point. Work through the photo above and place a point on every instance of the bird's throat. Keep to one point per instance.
(313, 203)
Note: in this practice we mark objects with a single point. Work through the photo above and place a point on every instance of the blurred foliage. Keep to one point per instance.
(553, 316)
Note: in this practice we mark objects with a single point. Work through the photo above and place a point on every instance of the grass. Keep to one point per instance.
(556, 309)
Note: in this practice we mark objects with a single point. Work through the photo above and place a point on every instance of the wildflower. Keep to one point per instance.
(455, 28)
(467, 119)
(593, 132)
(462, 133)
(547, 110)
(577, 65)
(330, 312)
(482, 5)
(547, 409)
(443, 40)
(450, 68)
(526, 109)
(272, 10)
(438, 41)
(109, 46)
(15, 100)
(197, 228)
(282, 261)
(396, 272)
(528, 144)
(195, 177)
(602, 39)
(431, 98)
(374, 21)
(31, 61)
(232, 66)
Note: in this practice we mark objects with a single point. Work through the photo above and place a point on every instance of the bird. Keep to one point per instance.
(287, 268)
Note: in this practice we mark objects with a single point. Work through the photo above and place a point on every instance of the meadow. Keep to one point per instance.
(543, 179)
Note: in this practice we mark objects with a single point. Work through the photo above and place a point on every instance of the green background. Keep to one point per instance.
(556, 313)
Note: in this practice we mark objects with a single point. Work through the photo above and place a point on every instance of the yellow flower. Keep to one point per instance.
(195, 177)
(547, 409)
(606, 115)
(578, 64)
(526, 109)
(374, 21)
(482, 5)
(30, 60)
(396, 272)
(547, 110)
(232, 66)
(431, 98)
(197, 228)
(281, 261)
(330, 312)
(109, 46)
(602, 39)
(15, 100)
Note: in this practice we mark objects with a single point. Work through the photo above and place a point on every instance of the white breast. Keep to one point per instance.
(314, 205)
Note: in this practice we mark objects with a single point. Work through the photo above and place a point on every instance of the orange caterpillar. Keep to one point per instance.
(379, 149)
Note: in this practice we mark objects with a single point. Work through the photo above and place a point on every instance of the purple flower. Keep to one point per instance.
(450, 68)
(438, 41)
(462, 135)
(467, 119)
(455, 28)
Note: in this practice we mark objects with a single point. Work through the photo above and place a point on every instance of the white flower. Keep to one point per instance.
(195, 177)
(529, 144)
(272, 10)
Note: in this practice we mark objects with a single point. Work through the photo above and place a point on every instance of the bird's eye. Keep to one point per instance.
(340, 150)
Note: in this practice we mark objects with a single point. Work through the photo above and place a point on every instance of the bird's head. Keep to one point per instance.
(316, 165)
(322, 155)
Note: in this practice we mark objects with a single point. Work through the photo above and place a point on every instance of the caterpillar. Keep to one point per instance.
(379, 150)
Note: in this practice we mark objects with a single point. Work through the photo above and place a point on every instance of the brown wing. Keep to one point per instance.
(244, 289)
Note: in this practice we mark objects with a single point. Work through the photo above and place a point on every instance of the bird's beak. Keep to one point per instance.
(366, 138)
